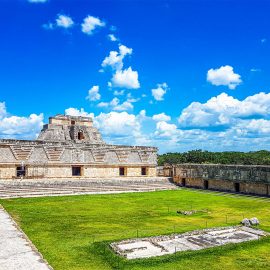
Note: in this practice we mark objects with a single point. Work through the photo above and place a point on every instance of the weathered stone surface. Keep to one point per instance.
(249, 179)
(195, 240)
(254, 221)
(245, 222)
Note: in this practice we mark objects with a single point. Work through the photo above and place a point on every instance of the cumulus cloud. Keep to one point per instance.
(126, 78)
(90, 23)
(78, 112)
(163, 129)
(118, 93)
(224, 109)
(125, 106)
(112, 37)
(161, 117)
(93, 93)
(115, 59)
(64, 21)
(115, 104)
(121, 124)
(224, 76)
(159, 92)
(19, 127)
(248, 128)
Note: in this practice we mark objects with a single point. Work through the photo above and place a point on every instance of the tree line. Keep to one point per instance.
(261, 157)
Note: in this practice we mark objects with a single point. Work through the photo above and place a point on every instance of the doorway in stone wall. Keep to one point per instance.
(183, 182)
(205, 184)
(236, 187)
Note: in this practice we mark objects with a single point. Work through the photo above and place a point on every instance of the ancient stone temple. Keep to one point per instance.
(71, 147)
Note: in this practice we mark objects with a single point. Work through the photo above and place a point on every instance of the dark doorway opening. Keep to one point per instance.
(237, 187)
(183, 182)
(72, 122)
(80, 135)
(205, 184)
(20, 171)
(76, 171)
(144, 171)
(122, 171)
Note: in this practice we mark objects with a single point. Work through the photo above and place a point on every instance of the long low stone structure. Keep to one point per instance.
(190, 241)
(70, 147)
(247, 179)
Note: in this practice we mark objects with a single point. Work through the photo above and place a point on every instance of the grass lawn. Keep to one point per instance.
(73, 232)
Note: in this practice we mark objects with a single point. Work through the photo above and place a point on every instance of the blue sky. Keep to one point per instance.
(179, 75)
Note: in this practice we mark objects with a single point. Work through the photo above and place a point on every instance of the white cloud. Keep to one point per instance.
(224, 110)
(115, 105)
(242, 134)
(112, 37)
(125, 106)
(19, 127)
(224, 76)
(93, 93)
(118, 93)
(161, 117)
(159, 92)
(163, 129)
(115, 59)
(37, 1)
(64, 21)
(90, 23)
(78, 112)
(126, 78)
(112, 103)
(118, 124)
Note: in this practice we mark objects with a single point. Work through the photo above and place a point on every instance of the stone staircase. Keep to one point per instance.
(21, 152)
(59, 187)
(53, 153)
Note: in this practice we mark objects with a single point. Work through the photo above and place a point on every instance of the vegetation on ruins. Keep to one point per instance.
(74, 232)
(203, 157)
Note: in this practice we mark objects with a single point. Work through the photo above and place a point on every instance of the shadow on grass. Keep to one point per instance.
(105, 252)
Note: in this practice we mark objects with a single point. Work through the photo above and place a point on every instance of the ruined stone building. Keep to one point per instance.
(71, 147)
(250, 179)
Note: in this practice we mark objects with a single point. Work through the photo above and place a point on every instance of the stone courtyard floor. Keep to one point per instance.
(195, 240)
(16, 251)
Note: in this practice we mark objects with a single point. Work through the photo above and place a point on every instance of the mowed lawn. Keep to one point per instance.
(74, 232)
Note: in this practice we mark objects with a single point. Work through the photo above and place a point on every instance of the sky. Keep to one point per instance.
(178, 75)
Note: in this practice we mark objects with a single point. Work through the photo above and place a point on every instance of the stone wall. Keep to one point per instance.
(65, 171)
(234, 178)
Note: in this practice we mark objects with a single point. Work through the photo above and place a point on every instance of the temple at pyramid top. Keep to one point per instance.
(78, 129)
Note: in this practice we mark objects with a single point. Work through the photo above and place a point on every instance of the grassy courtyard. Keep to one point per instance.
(73, 232)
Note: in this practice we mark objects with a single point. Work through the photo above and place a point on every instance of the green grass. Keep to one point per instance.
(73, 232)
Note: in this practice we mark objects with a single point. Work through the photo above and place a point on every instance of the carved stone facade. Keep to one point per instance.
(71, 147)
(248, 179)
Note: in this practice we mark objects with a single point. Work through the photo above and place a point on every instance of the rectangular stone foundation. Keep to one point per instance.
(196, 240)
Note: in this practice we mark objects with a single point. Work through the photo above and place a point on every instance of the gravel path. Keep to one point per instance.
(16, 250)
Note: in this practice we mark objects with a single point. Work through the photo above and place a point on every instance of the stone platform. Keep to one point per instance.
(195, 240)
(61, 187)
